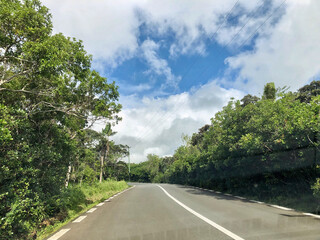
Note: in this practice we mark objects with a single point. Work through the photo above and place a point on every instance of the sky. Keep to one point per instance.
(178, 62)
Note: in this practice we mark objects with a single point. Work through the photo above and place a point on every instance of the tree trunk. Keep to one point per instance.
(81, 180)
(103, 159)
(68, 176)
(101, 163)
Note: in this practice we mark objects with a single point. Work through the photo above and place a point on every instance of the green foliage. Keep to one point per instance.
(49, 97)
(269, 91)
(308, 91)
(249, 99)
(197, 138)
(5, 124)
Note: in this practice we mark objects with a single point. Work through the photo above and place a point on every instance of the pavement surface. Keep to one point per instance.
(172, 212)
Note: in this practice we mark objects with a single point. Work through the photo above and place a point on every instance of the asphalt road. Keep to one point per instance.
(175, 212)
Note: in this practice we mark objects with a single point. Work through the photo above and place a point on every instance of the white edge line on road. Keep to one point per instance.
(312, 215)
(213, 224)
(283, 208)
(108, 200)
(79, 219)
(270, 205)
(59, 234)
(242, 198)
(91, 210)
(256, 201)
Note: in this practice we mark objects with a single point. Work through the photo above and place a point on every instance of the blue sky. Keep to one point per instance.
(178, 62)
(191, 71)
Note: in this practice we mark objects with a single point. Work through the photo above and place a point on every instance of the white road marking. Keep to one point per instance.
(312, 215)
(256, 201)
(218, 192)
(59, 234)
(108, 200)
(79, 219)
(213, 224)
(283, 208)
(228, 194)
(242, 198)
(91, 210)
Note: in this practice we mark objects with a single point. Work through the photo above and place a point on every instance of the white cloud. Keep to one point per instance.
(129, 88)
(158, 65)
(287, 55)
(110, 29)
(156, 125)
(191, 22)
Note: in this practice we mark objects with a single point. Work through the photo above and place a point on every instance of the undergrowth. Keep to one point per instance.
(76, 200)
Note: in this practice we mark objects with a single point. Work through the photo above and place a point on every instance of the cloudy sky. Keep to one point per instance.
(178, 62)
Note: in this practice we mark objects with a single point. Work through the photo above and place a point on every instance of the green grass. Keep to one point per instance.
(80, 199)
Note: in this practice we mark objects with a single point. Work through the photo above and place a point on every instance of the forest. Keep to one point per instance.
(49, 99)
(265, 148)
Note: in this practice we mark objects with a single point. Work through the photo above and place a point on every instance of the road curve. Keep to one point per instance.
(172, 212)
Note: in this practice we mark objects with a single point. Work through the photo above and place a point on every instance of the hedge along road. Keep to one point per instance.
(165, 211)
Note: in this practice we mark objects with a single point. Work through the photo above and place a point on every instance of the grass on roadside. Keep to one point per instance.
(79, 199)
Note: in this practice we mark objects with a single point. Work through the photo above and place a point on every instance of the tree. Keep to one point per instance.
(249, 99)
(308, 91)
(197, 137)
(104, 146)
(48, 73)
(49, 95)
(269, 91)
(117, 168)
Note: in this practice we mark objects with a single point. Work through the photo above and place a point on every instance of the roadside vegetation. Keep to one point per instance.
(51, 162)
(78, 199)
(264, 148)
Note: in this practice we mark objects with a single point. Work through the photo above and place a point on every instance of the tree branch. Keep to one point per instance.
(3, 81)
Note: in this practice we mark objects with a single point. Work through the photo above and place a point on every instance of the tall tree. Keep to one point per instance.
(308, 91)
(269, 91)
(247, 99)
(104, 147)
(49, 95)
